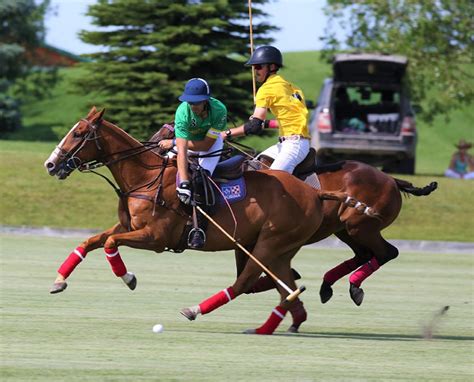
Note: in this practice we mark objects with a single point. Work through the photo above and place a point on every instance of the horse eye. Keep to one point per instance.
(76, 134)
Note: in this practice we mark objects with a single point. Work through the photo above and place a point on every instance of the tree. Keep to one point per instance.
(435, 35)
(21, 29)
(152, 47)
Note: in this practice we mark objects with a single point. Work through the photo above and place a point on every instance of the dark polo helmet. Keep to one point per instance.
(265, 54)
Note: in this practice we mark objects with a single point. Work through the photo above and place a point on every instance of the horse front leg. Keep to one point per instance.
(245, 279)
(79, 254)
(141, 239)
(244, 282)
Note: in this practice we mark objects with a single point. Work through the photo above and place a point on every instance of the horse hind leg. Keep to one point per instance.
(344, 268)
(382, 252)
(265, 283)
(278, 313)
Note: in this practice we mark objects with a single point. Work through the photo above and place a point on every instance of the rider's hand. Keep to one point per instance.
(184, 192)
(226, 135)
(166, 144)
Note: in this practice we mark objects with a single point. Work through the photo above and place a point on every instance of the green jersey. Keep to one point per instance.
(189, 126)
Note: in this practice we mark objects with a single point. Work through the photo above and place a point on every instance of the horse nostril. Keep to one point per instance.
(50, 165)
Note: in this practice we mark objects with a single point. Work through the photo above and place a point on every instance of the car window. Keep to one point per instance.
(365, 96)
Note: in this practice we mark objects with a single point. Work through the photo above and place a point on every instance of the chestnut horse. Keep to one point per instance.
(360, 232)
(279, 214)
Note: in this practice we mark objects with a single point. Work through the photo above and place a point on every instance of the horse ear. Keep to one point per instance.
(98, 116)
(92, 112)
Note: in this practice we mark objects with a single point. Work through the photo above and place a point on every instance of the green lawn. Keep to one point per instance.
(98, 330)
(31, 197)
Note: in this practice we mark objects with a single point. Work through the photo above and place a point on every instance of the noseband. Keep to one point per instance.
(69, 158)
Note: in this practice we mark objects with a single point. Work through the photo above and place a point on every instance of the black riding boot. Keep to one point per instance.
(205, 199)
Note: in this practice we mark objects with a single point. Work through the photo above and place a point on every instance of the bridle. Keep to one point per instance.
(73, 162)
(70, 158)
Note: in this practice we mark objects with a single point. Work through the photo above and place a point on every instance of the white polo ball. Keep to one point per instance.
(158, 328)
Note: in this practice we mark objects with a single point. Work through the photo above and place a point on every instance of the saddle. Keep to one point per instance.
(231, 168)
(307, 166)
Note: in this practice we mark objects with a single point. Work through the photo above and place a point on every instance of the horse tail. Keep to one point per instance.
(348, 201)
(409, 188)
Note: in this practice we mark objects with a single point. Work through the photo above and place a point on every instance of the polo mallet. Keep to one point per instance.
(293, 294)
(254, 86)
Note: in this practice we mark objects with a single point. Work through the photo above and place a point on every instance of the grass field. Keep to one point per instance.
(98, 330)
(31, 197)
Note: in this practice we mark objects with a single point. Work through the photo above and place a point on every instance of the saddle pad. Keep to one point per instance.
(233, 190)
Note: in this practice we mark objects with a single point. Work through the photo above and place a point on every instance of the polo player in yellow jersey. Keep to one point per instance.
(287, 104)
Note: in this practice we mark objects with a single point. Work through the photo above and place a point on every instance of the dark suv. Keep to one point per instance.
(364, 113)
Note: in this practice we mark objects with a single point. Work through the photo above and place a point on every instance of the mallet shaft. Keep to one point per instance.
(293, 294)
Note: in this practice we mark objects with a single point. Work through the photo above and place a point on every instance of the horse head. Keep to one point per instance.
(78, 147)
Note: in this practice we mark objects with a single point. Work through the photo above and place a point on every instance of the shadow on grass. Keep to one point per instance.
(342, 335)
(375, 336)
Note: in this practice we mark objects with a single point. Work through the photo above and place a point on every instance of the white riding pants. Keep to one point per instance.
(453, 174)
(208, 163)
(288, 154)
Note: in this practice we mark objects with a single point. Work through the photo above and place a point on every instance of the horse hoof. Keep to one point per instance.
(190, 313)
(296, 275)
(293, 329)
(325, 293)
(132, 284)
(58, 287)
(250, 331)
(357, 294)
(299, 315)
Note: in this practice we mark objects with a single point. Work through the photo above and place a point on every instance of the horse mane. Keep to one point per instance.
(121, 132)
(153, 149)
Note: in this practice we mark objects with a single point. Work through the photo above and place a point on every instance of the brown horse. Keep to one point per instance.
(151, 216)
(360, 232)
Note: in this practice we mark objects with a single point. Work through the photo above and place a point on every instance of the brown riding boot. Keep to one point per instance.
(299, 314)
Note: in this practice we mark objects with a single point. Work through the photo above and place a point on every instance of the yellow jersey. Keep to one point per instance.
(287, 104)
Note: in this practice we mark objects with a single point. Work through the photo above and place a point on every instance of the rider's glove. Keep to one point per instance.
(184, 192)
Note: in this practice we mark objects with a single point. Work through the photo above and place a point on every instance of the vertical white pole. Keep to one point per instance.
(251, 49)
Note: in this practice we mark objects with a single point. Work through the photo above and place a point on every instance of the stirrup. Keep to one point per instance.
(196, 232)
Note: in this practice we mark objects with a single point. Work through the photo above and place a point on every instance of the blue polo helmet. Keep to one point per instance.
(196, 90)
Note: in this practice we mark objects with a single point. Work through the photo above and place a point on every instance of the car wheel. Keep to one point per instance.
(403, 166)
(407, 166)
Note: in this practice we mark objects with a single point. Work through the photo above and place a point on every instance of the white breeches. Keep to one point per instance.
(288, 154)
(453, 174)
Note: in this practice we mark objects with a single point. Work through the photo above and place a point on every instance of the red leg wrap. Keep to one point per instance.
(364, 271)
(219, 299)
(340, 271)
(278, 314)
(73, 260)
(115, 261)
